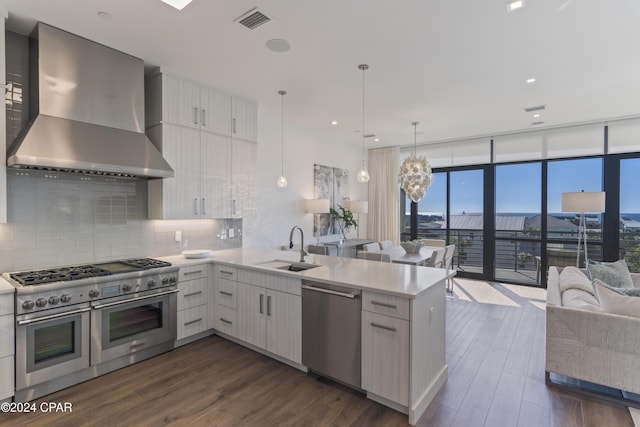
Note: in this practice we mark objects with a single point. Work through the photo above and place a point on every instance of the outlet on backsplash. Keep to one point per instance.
(178, 237)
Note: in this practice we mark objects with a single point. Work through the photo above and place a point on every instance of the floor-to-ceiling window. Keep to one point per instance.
(562, 227)
(630, 212)
(465, 221)
(518, 199)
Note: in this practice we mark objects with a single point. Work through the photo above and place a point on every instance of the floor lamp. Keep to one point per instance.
(358, 207)
(317, 206)
(581, 201)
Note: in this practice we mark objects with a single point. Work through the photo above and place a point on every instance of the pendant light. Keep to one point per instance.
(363, 175)
(282, 181)
(415, 173)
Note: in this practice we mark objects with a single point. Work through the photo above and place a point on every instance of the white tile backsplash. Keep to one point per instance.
(64, 219)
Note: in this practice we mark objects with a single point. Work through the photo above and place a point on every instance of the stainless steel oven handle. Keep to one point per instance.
(53, 316)
(111, 304)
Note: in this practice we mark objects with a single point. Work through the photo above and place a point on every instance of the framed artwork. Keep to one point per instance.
(333, 184)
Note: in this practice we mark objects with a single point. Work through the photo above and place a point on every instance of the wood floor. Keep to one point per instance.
(495, 352)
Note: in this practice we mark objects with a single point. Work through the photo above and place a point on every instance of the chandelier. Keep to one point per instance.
(415, 173)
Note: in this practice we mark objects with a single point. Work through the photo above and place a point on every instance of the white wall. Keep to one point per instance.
(279, 209)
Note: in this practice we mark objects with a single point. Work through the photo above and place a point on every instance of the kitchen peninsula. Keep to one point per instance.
(403, 315)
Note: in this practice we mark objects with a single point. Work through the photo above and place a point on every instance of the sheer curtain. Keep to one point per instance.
(383, 222)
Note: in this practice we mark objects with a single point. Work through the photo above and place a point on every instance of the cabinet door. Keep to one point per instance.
(284, 325)
(216, 176)
(243, 179)
(250, 315)
(215, 112)
(245, 120)
(181, 102)
(181, 194)
(385, 357)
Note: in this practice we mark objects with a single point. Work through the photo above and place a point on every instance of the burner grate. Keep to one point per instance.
(63, 274)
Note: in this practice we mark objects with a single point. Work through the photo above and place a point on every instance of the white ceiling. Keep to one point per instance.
(458, 67)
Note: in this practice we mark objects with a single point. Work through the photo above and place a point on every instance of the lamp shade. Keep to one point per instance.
(359, 206)
(583, 201)
(317, 205)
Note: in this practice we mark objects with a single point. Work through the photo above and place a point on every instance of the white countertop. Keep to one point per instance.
(6, 287)
(395, 279)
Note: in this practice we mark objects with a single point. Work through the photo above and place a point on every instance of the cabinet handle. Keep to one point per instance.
(203, 207)
(195, 206)
(228, 322)
(187, 273)
(386, 328)
(261, 299)
(382, 304)
(225, 272)
(193, 321)
(268, 305)
(203, 111)
(195, 115)
(228, 294)
(192, 294)
(234, 125)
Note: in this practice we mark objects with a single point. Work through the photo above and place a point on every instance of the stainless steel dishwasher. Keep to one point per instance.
(331, 331)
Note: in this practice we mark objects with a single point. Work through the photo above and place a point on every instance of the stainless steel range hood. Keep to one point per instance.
(86, 110)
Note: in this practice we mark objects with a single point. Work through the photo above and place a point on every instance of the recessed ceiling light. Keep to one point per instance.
(178, 4)
(536, 115)
(334, 123)
(530, 80)
(105, 15)
(515, 5)
(278, 45)
(376, 139)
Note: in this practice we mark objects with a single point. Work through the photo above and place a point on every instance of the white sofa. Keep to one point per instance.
(586, 343)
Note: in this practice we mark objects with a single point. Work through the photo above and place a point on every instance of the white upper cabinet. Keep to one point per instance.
(245, 120)
(212, 151)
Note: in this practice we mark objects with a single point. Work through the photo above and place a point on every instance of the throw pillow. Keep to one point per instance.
(614, 274)
(612, 302)
(632, 292)
(572, 278)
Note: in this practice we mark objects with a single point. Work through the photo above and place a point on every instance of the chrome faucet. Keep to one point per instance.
(302, 251)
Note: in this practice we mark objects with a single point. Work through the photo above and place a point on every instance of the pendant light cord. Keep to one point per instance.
(282, 94)
(364, 68)
(415, 137)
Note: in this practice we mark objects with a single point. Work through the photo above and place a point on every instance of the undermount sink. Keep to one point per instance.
(298, 267)
(288, 265)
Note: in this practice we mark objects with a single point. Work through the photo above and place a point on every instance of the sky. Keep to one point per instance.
(518, 187)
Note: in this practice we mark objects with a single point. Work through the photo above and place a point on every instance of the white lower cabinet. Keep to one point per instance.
(192, 300)
(385, 356)
(6, 346)
(268, 318)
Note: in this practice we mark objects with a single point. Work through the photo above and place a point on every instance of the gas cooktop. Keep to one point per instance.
(66, 274)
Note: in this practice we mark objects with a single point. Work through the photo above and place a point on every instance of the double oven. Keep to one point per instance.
(94, 320)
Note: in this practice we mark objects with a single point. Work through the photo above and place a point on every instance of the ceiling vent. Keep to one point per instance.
(252, 19)
(536, 108)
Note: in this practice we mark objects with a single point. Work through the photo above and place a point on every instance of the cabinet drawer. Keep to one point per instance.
(193, 272)
(226, 320)
(6, 373)
(385, 357)
(192, 321)
(6, 304)
(192, 293)
(386, 304)
(6, 336)
(225, 272)
(227, 293)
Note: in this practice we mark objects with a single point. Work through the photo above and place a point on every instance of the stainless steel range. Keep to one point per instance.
(75, 323)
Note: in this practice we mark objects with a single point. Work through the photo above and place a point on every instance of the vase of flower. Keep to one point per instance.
(344, 219)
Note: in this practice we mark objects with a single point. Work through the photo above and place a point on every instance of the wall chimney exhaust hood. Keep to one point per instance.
(86, 110)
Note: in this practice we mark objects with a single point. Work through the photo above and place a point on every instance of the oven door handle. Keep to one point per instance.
(53, 316)
(111, 304)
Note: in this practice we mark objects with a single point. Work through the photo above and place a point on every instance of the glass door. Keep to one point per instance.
(465, 220)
